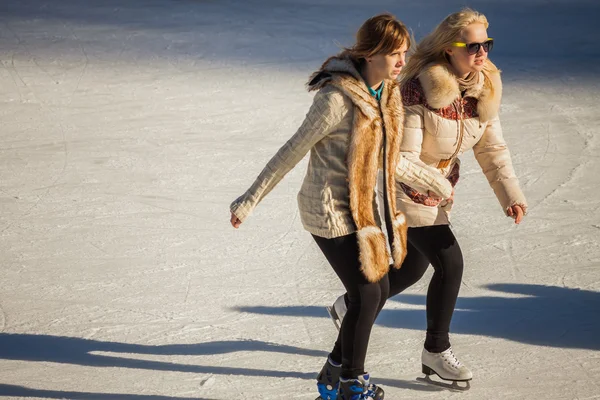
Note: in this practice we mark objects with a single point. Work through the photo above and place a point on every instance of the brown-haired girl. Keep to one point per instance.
(353, 129)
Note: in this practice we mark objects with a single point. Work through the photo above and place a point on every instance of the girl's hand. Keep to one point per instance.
(235, 221)
(432, 200)
(516, 212)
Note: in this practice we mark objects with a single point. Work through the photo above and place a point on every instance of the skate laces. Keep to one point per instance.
(451, 359)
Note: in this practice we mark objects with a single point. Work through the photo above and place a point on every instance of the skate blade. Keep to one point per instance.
(334, 318)
(454, 386)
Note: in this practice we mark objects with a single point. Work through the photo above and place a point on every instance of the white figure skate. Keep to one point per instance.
(446, 366)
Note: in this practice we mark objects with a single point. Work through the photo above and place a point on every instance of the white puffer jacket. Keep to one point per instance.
(440, 124)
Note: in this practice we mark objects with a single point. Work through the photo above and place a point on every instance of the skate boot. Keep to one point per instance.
(447, 367)
(360, 389)
(374, 392)
(328, 381)
(337, 311)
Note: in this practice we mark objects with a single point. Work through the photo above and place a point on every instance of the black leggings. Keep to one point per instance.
(364, 301)
(435, 245)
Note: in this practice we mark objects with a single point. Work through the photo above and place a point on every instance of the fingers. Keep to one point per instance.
(434, 196)
(520, 214)
(517, 213)
(235, 221)
(430, 202)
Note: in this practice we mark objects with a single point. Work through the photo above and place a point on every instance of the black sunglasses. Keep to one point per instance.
(473, 48)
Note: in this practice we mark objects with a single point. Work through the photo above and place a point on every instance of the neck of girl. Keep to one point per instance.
(458, 72)
(373, 80)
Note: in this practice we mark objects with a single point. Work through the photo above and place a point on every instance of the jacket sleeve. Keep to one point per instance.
(326, 112)
(411, 170)
(494, 158)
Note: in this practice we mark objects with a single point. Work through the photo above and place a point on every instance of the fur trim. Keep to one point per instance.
(331, 66)
(393, 116)
(343, 73)
(373, 253)
(400, 237)
(371, 120)
(441, 90)
(488, 105)
(440, 86)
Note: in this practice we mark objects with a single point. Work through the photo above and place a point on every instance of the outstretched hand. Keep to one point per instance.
(235, 221)
(516, 212)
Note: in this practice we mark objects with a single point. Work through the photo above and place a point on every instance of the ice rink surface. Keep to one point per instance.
(128, 127)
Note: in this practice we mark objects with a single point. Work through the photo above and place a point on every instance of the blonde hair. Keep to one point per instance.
(381, 34)
(432, 49)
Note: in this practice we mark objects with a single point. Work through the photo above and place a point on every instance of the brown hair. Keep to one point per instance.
(381, 34)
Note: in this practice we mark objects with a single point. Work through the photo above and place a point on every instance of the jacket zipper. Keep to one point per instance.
(461, 126)
(461, 131)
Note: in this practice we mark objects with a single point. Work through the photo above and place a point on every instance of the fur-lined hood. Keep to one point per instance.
(342, 72)
(339, 64)
(441, 89)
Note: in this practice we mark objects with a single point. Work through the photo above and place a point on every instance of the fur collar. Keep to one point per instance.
(441, 89)
(375, 125)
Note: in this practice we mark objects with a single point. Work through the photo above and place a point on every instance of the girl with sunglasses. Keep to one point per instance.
(353, 128)
(451, 93)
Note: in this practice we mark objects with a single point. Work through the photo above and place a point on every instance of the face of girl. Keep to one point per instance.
(463, 62)
(388, 66)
